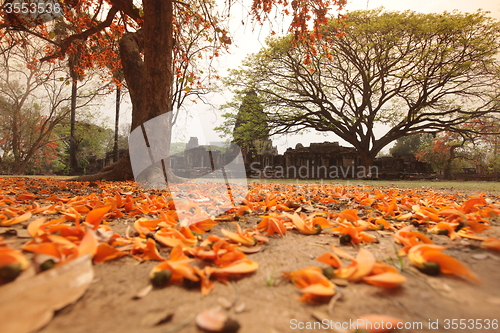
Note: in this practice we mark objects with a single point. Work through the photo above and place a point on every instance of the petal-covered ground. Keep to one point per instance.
(286, 258)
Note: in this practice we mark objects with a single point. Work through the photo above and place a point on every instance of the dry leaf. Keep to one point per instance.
(143, 292)
(28, 304)
(216, 321)
(239, 308)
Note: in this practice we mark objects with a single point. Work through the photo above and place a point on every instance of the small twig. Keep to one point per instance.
(334, 300)
(236, 292)
(319, 245)
(180, 326)
(307, 254)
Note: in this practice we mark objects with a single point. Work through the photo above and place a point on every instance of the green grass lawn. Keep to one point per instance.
(492, 188)
(36, 176)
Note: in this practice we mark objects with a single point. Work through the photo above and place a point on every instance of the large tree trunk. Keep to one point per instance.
(74, 164)
(16, 145)
(365, 167)
(117, 121)
(149, 80)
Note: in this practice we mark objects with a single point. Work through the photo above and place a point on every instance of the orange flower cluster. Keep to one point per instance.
(363, 268)
(227, 262)
(430, 259)
(12, 263)
(318, 288)
(315, 286)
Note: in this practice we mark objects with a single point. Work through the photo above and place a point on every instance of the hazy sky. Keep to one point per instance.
(249, 39)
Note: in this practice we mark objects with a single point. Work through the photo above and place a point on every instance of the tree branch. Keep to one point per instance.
(66, 43)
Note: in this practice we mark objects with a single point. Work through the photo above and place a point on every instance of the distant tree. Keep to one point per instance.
(90, 140)
(117, 124)
(250, 128)
(32, 103)
(446, 153)
(413, 72)
(451, 152)
(409, 144)
(35, 97)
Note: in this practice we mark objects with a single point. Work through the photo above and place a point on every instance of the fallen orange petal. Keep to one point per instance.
(26, 196)
(307, 276)
(449, 227)
(61, 241)
(50, 249)
(183, 270)
(349, 215)
(239, 238)
(470, 205)
(478, 224)
(151, 252)
(144, 226)
(365, 261)
(449, 265)
(203, 226)
(417, 237)
(180, 270)
(367, 238)
(172, 238)
(345, 272)
(302, 226)
(88, 244)
(95, 216)
(385, 280)
(383, 222)
(10, 256)
(330, 259)
(316, 287)
(34, 226)
(271, 225)
(319, 289)
(380, 268)
(16, 220)
(468, 233)
(317, 293)
(239, 267)
(106, 252)
(341, 253)
(226, 258)
(491, 243)
(377, 323)
(177, 254)
(206, 284)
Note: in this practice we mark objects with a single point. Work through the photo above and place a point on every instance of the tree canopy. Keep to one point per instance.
(414, 72)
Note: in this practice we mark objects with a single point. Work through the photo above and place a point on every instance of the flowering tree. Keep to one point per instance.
(473, 145)
(148, 32)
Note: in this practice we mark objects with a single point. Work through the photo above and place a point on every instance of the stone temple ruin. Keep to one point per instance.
(326, 160)
(200, 160)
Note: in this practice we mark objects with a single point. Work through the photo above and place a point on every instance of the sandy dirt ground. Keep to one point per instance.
(267, 302)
